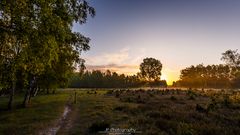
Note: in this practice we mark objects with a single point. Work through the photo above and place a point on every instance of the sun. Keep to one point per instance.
(164, 77)
(168, 78)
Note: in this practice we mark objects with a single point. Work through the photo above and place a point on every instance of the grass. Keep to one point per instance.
(169, 112)
(153, 112)
(97, 109)
(43, 112)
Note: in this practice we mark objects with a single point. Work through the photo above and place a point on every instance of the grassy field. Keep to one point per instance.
(43, 112)
(156, 112)
(151, 112)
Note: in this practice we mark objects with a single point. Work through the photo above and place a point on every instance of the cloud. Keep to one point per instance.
(118, 57)
(124, 56)
(124, 61)
(122, 69)
(168, 74)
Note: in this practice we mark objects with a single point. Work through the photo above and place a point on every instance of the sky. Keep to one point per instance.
(179, 33)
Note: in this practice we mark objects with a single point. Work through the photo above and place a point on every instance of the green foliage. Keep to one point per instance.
(185, 129)
(37, 41)
(191, 94)
(158, 115)
(45, 110)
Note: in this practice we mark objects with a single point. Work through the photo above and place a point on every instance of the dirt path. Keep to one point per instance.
(62, 122)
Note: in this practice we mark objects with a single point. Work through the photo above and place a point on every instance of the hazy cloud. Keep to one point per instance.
(123, 61)
(125, 69)
(118, 57)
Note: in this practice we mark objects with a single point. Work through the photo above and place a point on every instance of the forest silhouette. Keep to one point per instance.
(211, 76)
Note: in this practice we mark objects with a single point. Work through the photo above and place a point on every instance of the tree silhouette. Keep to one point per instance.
(150, 69)
(217, 76)
(108, 79)
(231, 57)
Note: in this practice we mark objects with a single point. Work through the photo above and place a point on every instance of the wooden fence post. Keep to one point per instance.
(75, 97)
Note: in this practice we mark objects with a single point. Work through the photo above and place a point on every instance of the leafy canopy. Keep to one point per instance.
(36, 39)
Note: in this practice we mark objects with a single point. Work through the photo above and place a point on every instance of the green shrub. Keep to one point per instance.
(199, 108)
(166, 125)
(226, 101)
(99, 126)
(191, 97)
(122, 108)
(154, 114)
(117, 94)
(173, 98)
(185, 129)
(109, 92)
(211, 107)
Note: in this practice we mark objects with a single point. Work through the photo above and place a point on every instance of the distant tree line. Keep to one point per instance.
(214, 76)
(149, 75)
(108, 79)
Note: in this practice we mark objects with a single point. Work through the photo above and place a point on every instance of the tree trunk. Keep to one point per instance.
(47, 90)
(30, 95)
(11, 97)
(26, 97)
(29, 99)
(29, 92)
(35, 92)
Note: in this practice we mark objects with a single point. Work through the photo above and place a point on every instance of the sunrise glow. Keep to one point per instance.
(171, 32)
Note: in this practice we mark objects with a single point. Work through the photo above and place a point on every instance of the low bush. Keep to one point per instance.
(199, 108)
(173, 98)
(98, 126)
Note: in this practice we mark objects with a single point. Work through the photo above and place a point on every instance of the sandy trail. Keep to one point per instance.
(60, 123)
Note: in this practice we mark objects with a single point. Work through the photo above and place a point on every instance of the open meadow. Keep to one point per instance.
(147, 112)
